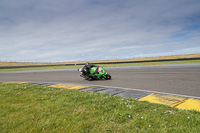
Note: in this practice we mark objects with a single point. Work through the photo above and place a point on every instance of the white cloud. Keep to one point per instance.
(67, 30)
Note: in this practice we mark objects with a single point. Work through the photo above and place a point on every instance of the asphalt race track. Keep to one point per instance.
(176, 79)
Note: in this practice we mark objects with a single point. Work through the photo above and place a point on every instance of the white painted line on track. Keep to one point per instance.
(118, 88)
(141, 90)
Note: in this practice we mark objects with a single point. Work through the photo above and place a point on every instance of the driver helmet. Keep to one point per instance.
(88, 65)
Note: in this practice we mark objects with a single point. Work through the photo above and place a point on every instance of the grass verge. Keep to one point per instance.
(34, 108)
(104, 65)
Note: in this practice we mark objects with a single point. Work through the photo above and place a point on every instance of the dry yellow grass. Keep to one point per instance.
(121, 60)
(22, 63)
(153, 58)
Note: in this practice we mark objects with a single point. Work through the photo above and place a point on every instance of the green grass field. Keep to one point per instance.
(104, 65)
(34, 108)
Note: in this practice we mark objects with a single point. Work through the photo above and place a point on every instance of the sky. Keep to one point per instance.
(85, 30)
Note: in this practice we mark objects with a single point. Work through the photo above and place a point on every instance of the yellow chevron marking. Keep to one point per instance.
(78, 87)
(179, 103)
(14, 82)
(162, 99)
(190, 104)
(68, 86)
(60, 85)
